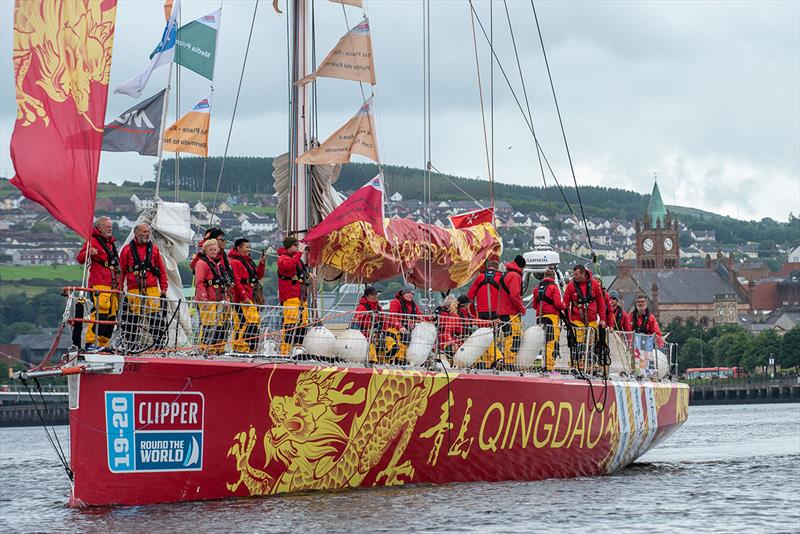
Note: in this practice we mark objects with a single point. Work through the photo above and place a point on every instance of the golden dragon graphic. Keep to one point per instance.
(315, 451)
(71, 42)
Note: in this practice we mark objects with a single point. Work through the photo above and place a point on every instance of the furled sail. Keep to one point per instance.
(324, 198)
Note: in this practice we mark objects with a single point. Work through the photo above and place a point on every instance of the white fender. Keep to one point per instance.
(352, 346)
(422, 339)
(533, 341)
(620, 354)
(319, 341)
(663, 364)
(473, 347)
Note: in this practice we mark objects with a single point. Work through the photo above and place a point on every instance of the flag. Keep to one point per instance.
(167, 8)
(350, 59)
(190, 132)
(473, 218)
(365, 205)
(354, 3)
(62, 59)
(137, 129)
(355, 137)
(162, 55)
(196, 44)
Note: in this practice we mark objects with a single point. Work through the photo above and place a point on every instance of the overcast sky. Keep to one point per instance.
(706, 94)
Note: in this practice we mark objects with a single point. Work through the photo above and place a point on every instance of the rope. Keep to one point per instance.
(53, 440)
(235, 106)
(563, 132)
(480, 93)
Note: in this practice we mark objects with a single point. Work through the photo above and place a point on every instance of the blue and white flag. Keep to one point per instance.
(162, 55)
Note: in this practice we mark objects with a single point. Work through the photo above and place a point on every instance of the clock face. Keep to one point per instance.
(668, 244)
(648, 244)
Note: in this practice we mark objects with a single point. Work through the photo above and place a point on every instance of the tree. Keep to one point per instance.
(692, 353)
(765, 345)
(790, 349)
(729, 349)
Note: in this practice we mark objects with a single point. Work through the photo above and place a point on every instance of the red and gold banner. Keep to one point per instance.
(455, 256)
(62, 61)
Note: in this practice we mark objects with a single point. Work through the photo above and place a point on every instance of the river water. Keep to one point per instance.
(728, 469)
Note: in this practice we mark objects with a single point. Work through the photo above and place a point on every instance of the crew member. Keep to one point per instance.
(367, 319)
(644, 322)
(449, 325)
(247, 294)
(549, 306)
(587, 306)
(465, 313)
(616, 317)
(293, 280)
(510, 308)
(403, 316)
(484, 293)
(104, 276)
(146, 285)
(210, 293)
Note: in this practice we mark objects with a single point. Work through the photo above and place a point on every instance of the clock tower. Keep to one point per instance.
(657, 243)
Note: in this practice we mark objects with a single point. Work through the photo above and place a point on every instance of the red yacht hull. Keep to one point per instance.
(167, 430)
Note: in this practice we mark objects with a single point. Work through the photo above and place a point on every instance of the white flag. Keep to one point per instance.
(162, 55)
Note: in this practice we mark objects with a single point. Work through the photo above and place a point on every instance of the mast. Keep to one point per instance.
(299, 119)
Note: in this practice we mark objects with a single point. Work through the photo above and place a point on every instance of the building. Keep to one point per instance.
(657, 236)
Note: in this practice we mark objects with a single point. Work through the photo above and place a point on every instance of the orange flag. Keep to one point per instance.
(350, 59)
(190, 132)
(62, 59)
(355, 137)
(167, 9)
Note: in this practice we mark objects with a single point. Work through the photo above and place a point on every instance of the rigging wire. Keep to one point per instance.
(491, 95)
(480, 94)
(235, 106)
(563, 132)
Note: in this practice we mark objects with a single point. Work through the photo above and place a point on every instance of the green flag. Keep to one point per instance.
(196, 44)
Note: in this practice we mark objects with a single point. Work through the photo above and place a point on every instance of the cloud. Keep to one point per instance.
(706, 94)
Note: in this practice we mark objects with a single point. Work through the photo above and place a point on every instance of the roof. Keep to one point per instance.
(656, 208)
(683, 286)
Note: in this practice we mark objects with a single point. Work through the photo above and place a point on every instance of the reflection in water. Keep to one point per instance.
(729, 468)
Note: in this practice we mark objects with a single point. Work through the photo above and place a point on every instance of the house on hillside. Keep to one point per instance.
(794, 255)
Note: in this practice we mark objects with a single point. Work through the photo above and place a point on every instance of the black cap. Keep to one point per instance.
(370, 290)
(463, 299)
(520, 261)
(289, 242)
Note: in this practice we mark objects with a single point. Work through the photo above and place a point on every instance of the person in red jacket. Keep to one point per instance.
(293, 280)
(403, 316)
(367, 319)
(549, 306)
(644, 322)
(211, 290)
(616, 317)
(146, 287)
(104, 276)
(510, 308)
(485, 291)
(587, 305)
(247, 294)
(449, 325)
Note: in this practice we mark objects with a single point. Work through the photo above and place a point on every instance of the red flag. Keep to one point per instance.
(62, 60)
(365, 205)
(472, 218)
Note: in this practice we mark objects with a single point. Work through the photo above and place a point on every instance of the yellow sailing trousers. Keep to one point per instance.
(581, 333)
(214, 326)
(395, 343)
(512, 335)
(246, 320)
(105, 309)
(552, 328)
(295, 320)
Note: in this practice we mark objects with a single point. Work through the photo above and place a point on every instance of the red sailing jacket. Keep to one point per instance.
(100, 269)
(208, 283)
(363, 319)
(244, 276)
(550, 301)
(646, 324)
(595, 307)
(618, 319)
(154, 279)
(291, 275)
(509, 302)
(485, 292)
(398, 306)
(450, 328)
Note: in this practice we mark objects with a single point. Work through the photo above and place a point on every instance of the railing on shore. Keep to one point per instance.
(153, 327)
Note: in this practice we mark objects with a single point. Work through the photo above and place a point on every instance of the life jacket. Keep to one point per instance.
(488, 279)
(542, 292)
(300, 277)
(618, 317)
(641, 329)
(250, 267)
(112, 257)
(582, 299)
(217, 280)
(406, 307)
(142, 266)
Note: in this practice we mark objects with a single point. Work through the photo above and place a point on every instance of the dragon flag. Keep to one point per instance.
(350, 59)
(62, 60)
(355, 241)
(196, 44)
(354, 137)
(138, 129)
(190, 132)
(162, 55)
